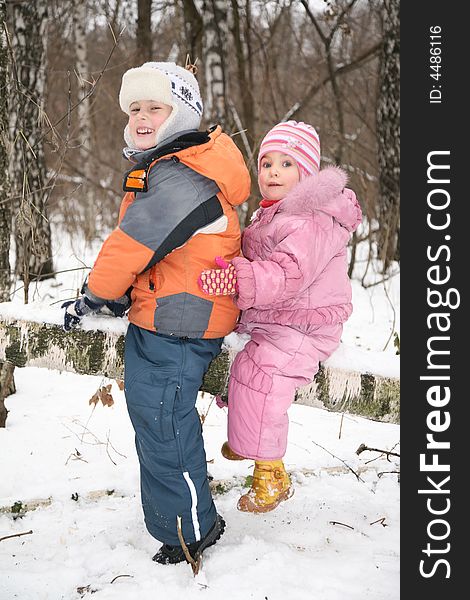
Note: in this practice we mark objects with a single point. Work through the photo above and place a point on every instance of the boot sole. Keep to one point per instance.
(254, 508)
(213, 536)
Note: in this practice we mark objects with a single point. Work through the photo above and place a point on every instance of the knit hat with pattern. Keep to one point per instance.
(168, 83)
(296, 139)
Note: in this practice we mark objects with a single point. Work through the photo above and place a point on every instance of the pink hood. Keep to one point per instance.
(294, 270)
(326, 193)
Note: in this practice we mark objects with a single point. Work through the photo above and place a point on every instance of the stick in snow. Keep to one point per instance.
(343, 524)
(7, 537)
(363, 448)
(195, 564)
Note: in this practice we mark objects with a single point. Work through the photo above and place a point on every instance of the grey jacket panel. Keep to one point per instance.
(175, 191)
(183, 315)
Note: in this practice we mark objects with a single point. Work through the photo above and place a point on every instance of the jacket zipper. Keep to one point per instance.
(151, 280)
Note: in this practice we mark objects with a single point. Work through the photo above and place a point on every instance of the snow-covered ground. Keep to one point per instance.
(336, 539)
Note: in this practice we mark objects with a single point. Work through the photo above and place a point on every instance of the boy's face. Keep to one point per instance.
(145, 119)
(278, 174)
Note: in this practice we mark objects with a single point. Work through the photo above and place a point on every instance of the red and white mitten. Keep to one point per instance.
(219, 282)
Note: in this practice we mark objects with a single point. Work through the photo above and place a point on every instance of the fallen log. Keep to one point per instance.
(28, 343)
(7, 387)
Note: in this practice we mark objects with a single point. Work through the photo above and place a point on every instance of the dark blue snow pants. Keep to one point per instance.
(162, 378)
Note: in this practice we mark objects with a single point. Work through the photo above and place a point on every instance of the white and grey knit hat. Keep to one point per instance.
(168, 83)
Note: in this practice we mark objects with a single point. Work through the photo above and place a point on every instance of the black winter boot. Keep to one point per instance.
(171, 555)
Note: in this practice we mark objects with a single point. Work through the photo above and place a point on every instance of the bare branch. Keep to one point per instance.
(195, 564)
(88, 94)
(13, 535)
(339, 523)
(381, 521)
(358, 477)
(316, 87)
(364, 448)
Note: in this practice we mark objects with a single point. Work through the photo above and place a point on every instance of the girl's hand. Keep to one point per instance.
(219, 282)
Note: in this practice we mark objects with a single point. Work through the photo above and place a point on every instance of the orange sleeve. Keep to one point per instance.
(120, 259)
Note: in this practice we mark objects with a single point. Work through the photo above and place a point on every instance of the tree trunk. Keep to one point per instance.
(388, 136)
(97, 353)
(86, 208)
(246, 118)
(27, 165)
(7, 387)
(215, 49)
(193, 27)
(144, 30)
(5, 197)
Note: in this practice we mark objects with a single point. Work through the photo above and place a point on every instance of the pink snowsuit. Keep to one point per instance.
(295, 295)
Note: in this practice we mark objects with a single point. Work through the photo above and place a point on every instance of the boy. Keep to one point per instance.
(178, 213)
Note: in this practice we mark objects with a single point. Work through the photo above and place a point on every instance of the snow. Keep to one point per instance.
(336, 538)
(56, 446)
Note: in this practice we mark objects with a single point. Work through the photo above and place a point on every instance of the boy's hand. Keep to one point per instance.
(119, 306)
(219, 282)
(75, 310)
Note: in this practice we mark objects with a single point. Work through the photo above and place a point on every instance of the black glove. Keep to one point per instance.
(91, 304)
(76, 309)
(119, 306)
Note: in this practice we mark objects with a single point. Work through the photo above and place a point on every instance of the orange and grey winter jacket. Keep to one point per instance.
(171, 230)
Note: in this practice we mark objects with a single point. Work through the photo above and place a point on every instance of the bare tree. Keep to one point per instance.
(193, 28)
(245, 116)
(259, 63)
(215, 57)
(144, 30)
(388, 136)
(86, 207)
(27, 165)
(337, 14)
(5, 199)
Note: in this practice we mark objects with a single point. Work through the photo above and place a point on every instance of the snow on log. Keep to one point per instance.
(28, 343)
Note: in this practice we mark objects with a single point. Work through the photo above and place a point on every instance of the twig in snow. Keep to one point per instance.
(359, 478)
(117, 577)
(363, 448)
(203, 417)
(343, 524)
(379, 475)
(394, 318)
(341, 426)
(195, 564)
(76, 455)
(381, 521)
(97, 441)
(108, 441)
(13, 535)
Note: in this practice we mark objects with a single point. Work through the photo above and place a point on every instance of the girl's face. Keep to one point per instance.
(145, 119)
(278, 174)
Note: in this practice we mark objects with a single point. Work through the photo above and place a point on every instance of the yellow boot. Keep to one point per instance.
(271, 485)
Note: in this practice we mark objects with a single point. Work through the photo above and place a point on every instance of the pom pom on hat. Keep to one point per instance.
(168, 83)
(296, 139)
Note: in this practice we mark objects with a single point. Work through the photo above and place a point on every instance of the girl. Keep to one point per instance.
(293, 288)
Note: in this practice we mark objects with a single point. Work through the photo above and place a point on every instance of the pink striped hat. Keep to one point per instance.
(296, 139)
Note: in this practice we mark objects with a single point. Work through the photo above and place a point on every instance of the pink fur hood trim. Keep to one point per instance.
(325, 192)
